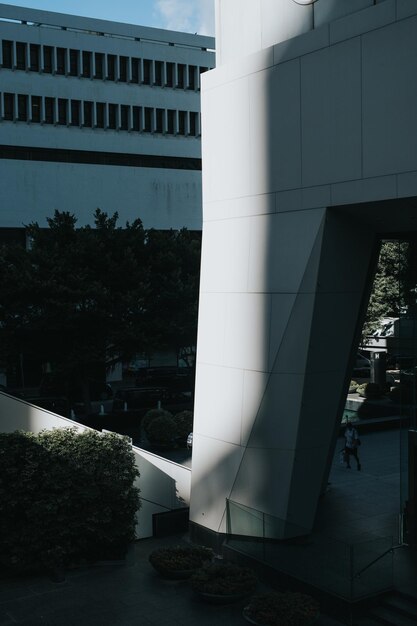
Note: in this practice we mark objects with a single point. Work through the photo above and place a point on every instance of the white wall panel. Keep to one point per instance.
(331, 114)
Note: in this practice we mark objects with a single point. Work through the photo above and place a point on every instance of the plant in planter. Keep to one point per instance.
(371, 391)
(183, 425)
(353, 386)
(223, 582)
(179, 562)
(161, 431)
(282, 609)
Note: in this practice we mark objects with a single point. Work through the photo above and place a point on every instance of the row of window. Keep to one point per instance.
(98, 65)
(85, 113)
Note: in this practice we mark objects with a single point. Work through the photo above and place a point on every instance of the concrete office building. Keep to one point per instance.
(309, 160)
(99, 114)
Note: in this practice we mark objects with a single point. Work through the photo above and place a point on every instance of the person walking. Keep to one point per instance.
(352, 442)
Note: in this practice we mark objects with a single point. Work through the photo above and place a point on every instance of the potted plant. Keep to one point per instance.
(220, 583)
(282, 609)
(179, 562)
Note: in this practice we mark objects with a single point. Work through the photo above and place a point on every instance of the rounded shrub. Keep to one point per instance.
(161, 430)
(183, 425)
(151, 415)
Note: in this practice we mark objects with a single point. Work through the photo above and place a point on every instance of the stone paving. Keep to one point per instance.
(357, 506)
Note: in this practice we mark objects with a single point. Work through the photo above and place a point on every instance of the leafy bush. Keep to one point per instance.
(151, 415)
(65, 497)
(224, 579)
(282, 609)
(180, 558)
(183, 424)
(353, 386)
(161, 430)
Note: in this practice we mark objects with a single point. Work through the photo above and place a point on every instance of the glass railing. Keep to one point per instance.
(349, 571)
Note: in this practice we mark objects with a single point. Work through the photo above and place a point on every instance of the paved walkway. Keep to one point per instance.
(358, 507)
(115, 595)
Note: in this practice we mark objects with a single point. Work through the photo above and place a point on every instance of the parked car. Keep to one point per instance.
(190, 441)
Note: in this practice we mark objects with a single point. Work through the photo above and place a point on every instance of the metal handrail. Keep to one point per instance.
(378, 558)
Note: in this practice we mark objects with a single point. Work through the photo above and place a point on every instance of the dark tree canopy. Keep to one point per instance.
(80, 296)
(394, 289)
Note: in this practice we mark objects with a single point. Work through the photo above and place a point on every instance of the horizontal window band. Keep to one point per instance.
(90, 157)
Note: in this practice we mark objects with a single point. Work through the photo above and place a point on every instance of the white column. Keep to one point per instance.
(105, 67)
(15, 110)
(176, 122)
(142, 118)
(164, 74)
(14, 55)
(175, 76)
(67, 62)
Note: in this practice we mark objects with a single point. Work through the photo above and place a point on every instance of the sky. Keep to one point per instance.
(191, 16)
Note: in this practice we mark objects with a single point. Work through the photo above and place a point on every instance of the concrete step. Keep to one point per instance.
(403, 604)
(390, 616)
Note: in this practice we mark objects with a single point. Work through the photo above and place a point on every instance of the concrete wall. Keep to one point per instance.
(320, 160)
(163, 485)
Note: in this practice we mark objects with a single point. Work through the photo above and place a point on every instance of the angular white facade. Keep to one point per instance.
(309, 157)
(99, 114)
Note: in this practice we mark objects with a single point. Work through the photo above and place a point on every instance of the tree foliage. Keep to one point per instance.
(394, 289)
(80, 296)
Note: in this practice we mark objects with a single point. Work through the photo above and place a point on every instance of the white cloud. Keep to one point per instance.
(192, 16)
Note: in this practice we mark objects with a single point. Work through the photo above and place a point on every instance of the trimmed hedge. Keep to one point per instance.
(151, 415)
(65, 497)
(183, 424)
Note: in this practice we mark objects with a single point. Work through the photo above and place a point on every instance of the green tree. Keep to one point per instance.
(82, 296)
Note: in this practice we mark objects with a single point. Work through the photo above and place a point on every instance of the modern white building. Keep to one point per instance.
(318, 102)
(99, 114)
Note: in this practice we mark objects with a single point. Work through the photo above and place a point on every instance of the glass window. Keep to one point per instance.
(181, 75)
(60, 60)
(99, 59)
(20, 55)
(181, 122)
(136, 118)
(7, 48)
(159, 121)
(74, 61)
(123, 69)
(8, 112)
(146, 78)
(135, 71)
(34, 57)
(62, 111)
(112, 115)
(86, 73)
(100, 114)
(111, 67)
(124, 117)
(170, 74)
(36, 109)
(171, 122)
(22, 108)
(191, 76)
(49, 110)
(158, 73)
(148, 120)
(75, 112)
(88, 114)
(47, 59)
(193, 123)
